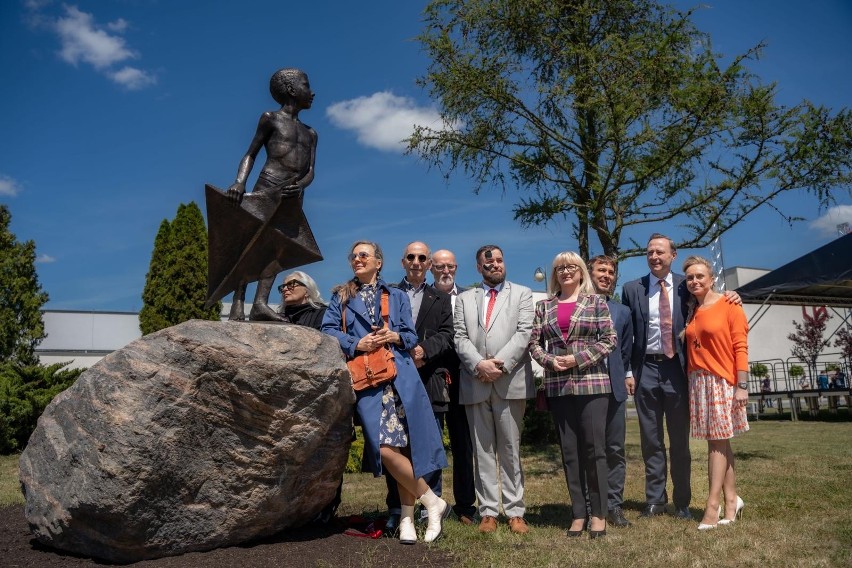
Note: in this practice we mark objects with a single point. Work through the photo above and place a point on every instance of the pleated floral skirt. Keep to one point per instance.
(712, 414)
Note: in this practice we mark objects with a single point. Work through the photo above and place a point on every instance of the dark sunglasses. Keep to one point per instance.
(290, 285)
(420, 257)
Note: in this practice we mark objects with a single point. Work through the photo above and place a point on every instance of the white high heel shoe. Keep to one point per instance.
(737, 514)
(704, 527)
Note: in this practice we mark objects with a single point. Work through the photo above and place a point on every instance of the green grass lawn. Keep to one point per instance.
(794, 477)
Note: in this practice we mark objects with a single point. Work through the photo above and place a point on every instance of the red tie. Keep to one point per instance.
(666, 321)
(491, 301)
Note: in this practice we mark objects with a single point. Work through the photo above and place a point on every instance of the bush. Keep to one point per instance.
(538, 426)
(25, 391)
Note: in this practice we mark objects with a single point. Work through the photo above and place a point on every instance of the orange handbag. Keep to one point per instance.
(376, 367)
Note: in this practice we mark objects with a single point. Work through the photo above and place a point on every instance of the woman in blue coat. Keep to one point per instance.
(400, 433)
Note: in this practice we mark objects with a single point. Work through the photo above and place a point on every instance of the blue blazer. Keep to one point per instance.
(634, 295)
(618, 359)
(424, 439)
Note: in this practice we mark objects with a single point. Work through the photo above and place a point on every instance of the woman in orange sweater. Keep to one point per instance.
(716, 339)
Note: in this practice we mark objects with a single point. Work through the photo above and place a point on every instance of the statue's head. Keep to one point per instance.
(283, 84)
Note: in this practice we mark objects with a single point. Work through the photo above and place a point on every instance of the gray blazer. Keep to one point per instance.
(506, 338)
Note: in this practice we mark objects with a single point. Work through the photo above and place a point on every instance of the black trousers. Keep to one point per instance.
(581, 425)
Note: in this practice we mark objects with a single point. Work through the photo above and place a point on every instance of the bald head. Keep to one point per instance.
(416, 262)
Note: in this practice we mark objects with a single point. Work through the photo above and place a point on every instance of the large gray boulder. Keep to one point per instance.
(202, 435)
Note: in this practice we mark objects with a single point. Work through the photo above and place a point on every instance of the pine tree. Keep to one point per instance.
(176, 284)
(21, 297)
(154, 297)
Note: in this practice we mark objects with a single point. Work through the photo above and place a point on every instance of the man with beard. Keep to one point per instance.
(493, 324)
(444, 268)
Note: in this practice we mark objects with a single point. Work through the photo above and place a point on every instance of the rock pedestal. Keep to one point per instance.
(202, 435)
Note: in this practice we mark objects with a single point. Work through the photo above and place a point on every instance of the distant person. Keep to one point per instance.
(765, 388)
(492, 325)
(301, 302)
(572, 335)
(443, 269)
(289, 169)
(822, 381)
(840, 379)
(401, 437)
(716, 338)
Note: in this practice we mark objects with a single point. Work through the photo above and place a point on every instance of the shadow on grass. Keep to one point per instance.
(553, 514)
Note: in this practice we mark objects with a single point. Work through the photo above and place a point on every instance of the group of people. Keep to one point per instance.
(463, 359)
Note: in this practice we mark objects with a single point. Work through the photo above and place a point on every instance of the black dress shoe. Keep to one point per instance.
(652, 510)
(683, 513)
(392, 526)
(616, 518)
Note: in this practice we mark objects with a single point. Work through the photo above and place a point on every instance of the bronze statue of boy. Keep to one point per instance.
(289, 168)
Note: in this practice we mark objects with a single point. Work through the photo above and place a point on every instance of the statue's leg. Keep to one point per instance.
(238, 304)
(260, 310)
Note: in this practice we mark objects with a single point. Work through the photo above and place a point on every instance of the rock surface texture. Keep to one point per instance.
(202, 435)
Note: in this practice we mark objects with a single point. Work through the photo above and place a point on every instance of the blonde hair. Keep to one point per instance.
(691, 302)
(569, 257)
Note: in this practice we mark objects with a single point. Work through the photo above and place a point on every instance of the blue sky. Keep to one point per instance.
(115, 112)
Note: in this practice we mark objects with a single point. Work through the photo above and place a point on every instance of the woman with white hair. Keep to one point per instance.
(572, 335)
(301, 301)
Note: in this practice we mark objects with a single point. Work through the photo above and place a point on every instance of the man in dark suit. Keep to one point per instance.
(657, 304)
(444, 271)
(433, 355)
(603, 275)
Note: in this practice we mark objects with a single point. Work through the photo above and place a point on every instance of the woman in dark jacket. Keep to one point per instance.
(401, 437)
(301, 302)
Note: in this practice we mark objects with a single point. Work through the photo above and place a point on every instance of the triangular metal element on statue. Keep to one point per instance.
(244, 248)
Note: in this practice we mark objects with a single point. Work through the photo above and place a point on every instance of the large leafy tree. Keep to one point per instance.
(176, 283)
(616, 114)
(21, 297)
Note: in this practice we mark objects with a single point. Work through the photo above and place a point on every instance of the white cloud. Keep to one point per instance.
(44, 259)
(85, 41)
(8, 186)
(382, 120)
(133, 78)
(118, 26)
(827, 224)
(82, 40)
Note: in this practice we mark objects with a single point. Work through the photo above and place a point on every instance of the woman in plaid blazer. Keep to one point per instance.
(571, 336)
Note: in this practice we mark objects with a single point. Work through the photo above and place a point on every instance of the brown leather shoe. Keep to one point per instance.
(466, 520)
(488, 524)
(518, 525)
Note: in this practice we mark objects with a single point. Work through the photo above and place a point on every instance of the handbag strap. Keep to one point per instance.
(385, 311)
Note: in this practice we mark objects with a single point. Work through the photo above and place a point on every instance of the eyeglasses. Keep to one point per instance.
(290, 285)
(570, 269)
(441, 267)
(420, 257)
(362, 256)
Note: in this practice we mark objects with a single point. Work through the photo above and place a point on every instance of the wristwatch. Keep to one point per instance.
(743, 385)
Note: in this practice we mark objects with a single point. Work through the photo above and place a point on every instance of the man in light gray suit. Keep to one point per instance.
(492, 328)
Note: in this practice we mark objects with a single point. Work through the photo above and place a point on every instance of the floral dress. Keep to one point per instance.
(393, 427)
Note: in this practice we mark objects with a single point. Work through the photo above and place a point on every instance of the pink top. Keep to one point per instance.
(563, 316)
